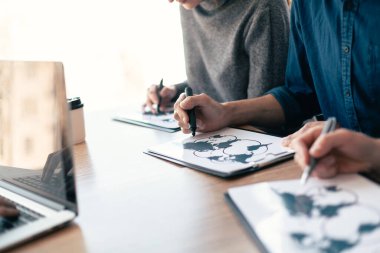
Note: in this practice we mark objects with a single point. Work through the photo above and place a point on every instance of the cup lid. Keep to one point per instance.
(74, 103)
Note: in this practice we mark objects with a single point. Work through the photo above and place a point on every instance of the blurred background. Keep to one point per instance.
(112, 50)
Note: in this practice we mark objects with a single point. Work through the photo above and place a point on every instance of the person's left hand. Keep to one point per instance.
(286, 141)
(166, 94)
(7, 209)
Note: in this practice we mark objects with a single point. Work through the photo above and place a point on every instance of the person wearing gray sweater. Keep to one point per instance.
(234, 49)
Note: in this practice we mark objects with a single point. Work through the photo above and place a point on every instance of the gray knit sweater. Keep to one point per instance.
(235, 49)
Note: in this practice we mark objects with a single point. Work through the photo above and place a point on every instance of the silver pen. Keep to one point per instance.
(329, 126)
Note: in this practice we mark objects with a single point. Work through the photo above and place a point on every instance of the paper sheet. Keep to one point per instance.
(340, 215)
(162, 121)
(226, 150)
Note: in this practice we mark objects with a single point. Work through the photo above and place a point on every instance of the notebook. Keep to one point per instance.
(339, 215)
(163, 121)
(225, 153)
(36, 162)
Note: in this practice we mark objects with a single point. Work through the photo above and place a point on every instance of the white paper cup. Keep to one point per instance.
(77, 120)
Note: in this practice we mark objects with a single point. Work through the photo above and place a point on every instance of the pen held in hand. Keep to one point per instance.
(328, 127)
(191, 113)
(160, 87)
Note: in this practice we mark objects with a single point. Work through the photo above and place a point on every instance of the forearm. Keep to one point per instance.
(263, 111)
(373, 160)
(376, 155)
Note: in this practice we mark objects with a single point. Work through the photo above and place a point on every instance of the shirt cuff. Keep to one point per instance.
(293, 113)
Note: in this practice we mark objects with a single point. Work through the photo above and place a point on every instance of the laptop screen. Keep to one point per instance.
(35, 140)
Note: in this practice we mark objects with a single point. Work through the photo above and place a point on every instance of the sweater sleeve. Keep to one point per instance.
(180, 88)
(266, 44)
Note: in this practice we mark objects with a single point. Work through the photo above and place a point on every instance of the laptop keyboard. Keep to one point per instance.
(35, 182)
(26, 216)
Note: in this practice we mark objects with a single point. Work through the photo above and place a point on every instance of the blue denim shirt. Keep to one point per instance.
(334, 63)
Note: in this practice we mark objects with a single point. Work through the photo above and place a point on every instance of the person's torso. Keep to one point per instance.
(343, 50)
(216, 59)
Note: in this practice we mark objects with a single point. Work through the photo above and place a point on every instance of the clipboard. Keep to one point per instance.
(225, 153)
(162, 121)
(333, 215)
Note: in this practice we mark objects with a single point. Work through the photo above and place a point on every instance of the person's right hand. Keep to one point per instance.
(210, 114)
(167, 94)
(341, 151)
(7, 209)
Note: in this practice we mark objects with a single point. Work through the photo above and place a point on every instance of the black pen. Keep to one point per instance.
(191, 113)
(329, 126)
(160, 87)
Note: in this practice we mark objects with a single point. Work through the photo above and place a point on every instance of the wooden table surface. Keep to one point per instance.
(132, 202)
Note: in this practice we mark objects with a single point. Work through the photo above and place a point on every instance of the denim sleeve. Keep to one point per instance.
(297, 97)
(289, 104)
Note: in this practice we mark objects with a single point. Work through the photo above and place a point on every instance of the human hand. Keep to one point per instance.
(7, 209)
(341, 151)
(210, 114)
(286, 141)
(179, 1)
(188, 4)
(167, 94)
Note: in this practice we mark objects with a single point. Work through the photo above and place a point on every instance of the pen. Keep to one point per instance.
(191, 113)
(161, 85)
(329, 126)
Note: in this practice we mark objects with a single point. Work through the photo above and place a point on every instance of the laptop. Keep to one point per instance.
(36, 161)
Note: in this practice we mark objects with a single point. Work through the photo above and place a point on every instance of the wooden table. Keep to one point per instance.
(132, 202)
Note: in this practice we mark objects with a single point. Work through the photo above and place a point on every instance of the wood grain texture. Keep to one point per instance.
(132, 202)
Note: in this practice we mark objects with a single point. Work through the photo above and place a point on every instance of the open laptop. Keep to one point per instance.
(36, 163)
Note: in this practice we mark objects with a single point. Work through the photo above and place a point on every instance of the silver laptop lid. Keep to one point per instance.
(35, 140)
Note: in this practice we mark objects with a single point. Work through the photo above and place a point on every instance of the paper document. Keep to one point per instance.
(163, 121)
(340, 215)
(224, 153)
